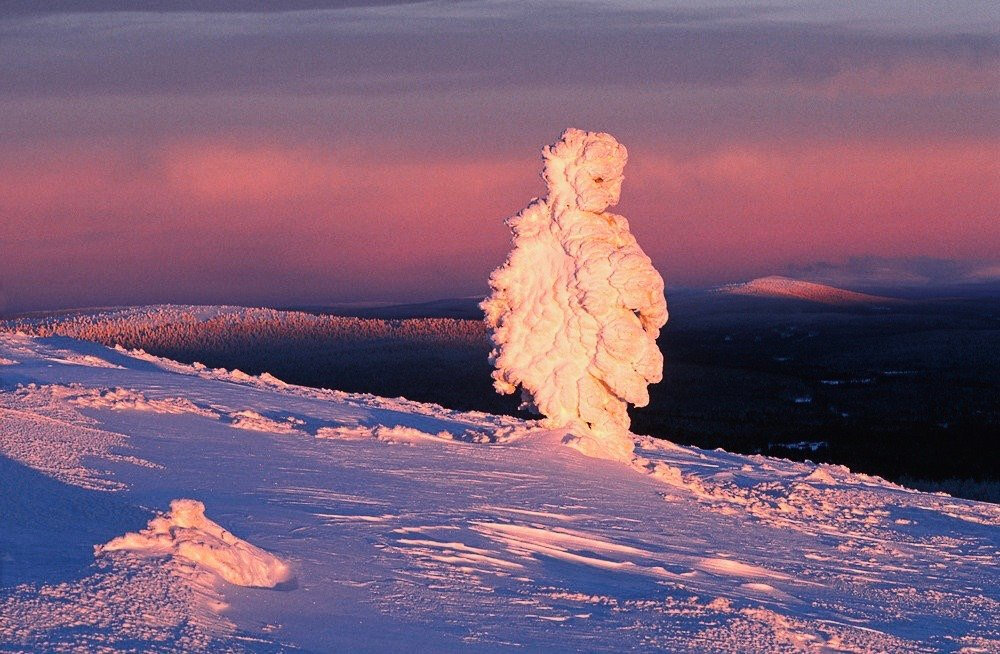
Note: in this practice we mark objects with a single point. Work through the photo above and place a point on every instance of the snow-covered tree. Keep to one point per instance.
(577, 307)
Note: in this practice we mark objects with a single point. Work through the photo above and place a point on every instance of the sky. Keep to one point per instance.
(319, 151)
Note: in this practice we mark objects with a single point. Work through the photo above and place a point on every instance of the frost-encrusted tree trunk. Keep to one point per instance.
(577, 306)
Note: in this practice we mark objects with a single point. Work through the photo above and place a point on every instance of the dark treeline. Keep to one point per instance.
(425, 359)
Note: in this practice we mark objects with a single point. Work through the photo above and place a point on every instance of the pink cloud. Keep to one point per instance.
(225, 172)
(213, 219)
(763, 204)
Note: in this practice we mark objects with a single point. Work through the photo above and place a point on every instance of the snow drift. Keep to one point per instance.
(576, 309)
(186, 534)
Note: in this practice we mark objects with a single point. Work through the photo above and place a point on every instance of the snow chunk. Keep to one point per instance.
(384, 433)
(821, 475)
(185, 533)
(254, 421)
(345, 432)
(403, 434)
(576, 308)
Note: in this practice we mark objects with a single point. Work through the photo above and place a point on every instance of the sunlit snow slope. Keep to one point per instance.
(777, 286)
(335, 522)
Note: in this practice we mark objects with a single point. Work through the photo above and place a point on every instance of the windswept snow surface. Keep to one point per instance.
(777, 286)
(342, 522)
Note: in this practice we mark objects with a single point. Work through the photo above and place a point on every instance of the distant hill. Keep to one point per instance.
(777, 286)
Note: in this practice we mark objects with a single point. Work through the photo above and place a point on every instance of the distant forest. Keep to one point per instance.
(911, 395)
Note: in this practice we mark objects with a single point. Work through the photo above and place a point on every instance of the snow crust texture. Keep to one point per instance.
(119, 608)
(576, 309)
(41, 427)
(185, 533)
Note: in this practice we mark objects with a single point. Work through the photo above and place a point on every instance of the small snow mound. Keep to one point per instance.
(236, 374)
(254, 421)
(614, 449)
(665, 473)
(271, 380)
(401, 434)
(345, 433)
(185, 533)
(386, 434)
(777, 286)
(821, 475)
(7, 362)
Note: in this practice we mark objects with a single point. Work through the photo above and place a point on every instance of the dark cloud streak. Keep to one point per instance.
(10, 8)
(260, 56)
(871, 272)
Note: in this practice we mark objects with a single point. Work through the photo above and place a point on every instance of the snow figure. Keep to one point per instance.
(576, 308)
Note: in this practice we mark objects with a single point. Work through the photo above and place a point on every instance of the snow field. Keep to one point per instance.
(404, 523)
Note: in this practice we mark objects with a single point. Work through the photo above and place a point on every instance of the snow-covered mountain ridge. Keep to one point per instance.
(776, 286)
(330, 521)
